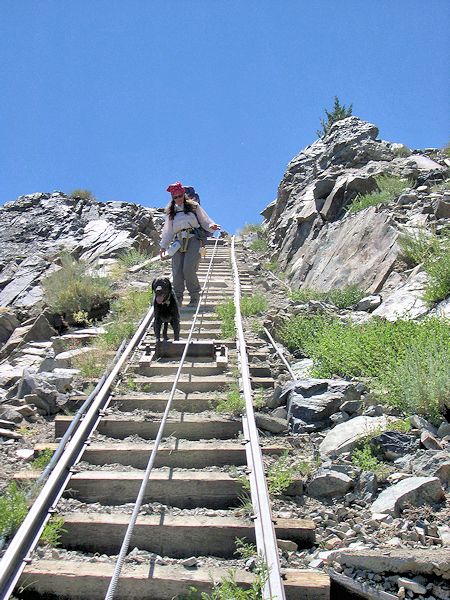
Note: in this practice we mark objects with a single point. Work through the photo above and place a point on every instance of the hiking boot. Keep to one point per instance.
(193, 303)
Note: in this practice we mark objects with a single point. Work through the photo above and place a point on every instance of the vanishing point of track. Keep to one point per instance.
(177, 460)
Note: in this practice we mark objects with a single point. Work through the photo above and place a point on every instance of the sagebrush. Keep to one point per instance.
(389, 188)
(226, 312)
(253, 305)
(74, 288)
(344, 297)
(433, 252)
(407, 362)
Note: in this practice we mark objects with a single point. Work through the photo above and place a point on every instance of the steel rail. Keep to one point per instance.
(62, 444)
(27, 536)
(280, 353)
(140, 497)
(266, 541)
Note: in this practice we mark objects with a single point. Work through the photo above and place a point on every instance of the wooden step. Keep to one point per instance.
(187, 383)
(175, 536)
(184, 489)
(157, 368)
(206, 324)
(183, 454)
(185, 426)
(213, 335)
(90, 580)
(192, 403)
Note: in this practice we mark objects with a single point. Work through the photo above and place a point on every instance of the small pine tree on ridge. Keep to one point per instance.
(340, 111)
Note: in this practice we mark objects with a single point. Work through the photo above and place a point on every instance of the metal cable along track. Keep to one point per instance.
(179, 469)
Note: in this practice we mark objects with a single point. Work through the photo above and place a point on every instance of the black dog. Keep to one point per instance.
(165, 309)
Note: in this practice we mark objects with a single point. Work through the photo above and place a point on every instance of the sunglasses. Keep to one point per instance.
(179, 196)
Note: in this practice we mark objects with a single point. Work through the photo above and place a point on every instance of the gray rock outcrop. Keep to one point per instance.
(311, 402)
(35, 228)
(323, 247)
(412, 490)
(345, 436)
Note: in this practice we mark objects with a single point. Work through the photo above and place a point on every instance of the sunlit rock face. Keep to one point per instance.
(320, 244)
(36, 228)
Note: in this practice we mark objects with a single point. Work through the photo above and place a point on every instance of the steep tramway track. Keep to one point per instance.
(190, 500)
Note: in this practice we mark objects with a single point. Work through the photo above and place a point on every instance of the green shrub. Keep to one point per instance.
(306, 295)
(52, 531)
(133, 257)
(272, 266)
(72, 288)
(226, 312)
(441, 187)
(42, 459)
(253, 305)
(389, 188)
(433, 251)
(228, 589)
(13, 509)
(244, 549)
(364, 458)
(280, 475)
(233, 403)
(126, 312)
(407, 362)
(420, 382)
(438, 271)
(346, 296)
(417, 247)
(83, 194)
(259, 245)
(341, 297)
(14, 506)
(94, 363)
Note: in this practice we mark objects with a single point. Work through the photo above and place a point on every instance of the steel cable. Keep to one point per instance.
(127, 538)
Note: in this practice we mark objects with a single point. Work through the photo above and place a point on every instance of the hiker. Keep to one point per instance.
(185, 229)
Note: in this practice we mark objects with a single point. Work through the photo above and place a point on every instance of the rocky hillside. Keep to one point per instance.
(36, 228)
(322, 246)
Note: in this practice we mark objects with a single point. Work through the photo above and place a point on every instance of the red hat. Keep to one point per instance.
(176, 189)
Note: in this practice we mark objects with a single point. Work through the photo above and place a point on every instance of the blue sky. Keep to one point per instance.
(125, 97)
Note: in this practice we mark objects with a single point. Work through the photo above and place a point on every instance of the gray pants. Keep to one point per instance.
(184, 270)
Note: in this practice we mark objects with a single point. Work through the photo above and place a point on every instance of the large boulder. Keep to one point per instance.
(310, 402)
(8, 322)
(412, 490)
(40, 392)
(427, 463)
(345, 436)
(420, 561)
(329, 483)
(323, 247)
(34, 330)
(390, 445)
(406, 300)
